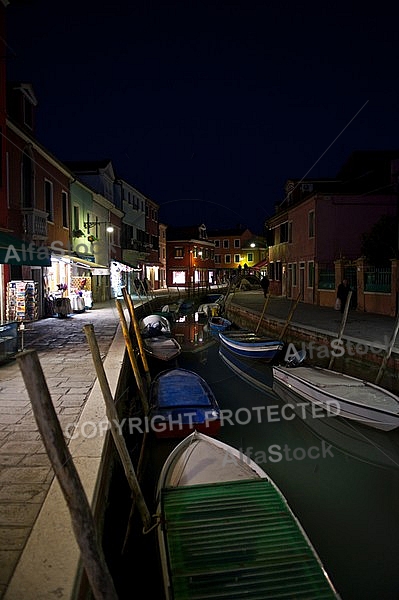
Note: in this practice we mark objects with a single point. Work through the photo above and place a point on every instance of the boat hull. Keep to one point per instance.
(320, 386)
(182, 402)
(250, 345)
(163, 348)
(227, 531)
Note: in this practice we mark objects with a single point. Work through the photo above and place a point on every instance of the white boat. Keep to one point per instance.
(153, 325)
(350, 397)
(157, 338)
(226, 530)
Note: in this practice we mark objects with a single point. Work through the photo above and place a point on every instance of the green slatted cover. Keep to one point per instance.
(238, 540)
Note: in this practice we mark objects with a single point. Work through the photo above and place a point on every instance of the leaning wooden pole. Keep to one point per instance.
(132, 356)
(113, 419)
(50, 430)
(263, 313)
(290, 315)
(388, 352)
(130, 306)
(342, 327)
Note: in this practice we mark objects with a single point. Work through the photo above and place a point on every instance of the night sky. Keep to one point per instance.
(209, 107)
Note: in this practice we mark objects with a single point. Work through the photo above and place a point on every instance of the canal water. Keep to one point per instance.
(340, 479)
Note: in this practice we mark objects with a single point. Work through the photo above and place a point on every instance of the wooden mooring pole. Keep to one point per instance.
(130, 306)
(342, 327)
(132, 357)
(263, 313)
(113, 419)
(83, 524)
(388, 352)
(290, 315)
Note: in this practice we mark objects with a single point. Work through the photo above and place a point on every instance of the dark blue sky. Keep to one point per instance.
(209, 107)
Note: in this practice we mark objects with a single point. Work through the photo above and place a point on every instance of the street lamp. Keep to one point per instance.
(89, 224)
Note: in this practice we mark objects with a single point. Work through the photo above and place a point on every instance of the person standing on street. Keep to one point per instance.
(265, 285)
(342, 293)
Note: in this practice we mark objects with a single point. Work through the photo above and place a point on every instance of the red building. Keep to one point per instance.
(190, 257)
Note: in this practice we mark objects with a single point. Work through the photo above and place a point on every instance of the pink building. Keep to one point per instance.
(321, 222)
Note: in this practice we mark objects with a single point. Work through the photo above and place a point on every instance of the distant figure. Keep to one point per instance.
(342, 293)
(145, 284)
(264, 282)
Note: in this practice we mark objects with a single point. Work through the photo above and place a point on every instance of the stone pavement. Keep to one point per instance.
(360, 326)
(26, 477)
(25, 471)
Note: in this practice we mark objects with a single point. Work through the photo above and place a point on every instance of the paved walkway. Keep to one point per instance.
(360, 327)
(25, 473)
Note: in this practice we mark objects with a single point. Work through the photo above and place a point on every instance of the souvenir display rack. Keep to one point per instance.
(22, 301)
(8, 341)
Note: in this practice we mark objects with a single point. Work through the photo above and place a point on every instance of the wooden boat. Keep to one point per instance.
(218, 323)
(181, 402)
(157, 338)
(350, 397)
(352, 439)
(247, 343)
(227, 531)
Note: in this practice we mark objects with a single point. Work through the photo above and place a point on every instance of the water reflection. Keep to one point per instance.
(340, 478)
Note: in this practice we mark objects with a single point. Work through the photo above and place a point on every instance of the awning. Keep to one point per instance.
(261, 264)
(14, 251)
(83, 262)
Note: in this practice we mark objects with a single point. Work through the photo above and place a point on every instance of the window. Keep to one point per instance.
(290, 232)
(179, 252)
(237, 258)
(294, 274)
(217, 243)
(284, 232)
(310, 274)
(65, 211)
(218, 258)
(227, 259)
(48, 200)
(250, 257)
(75, 224)
(28, 179)
(226, 244)
(277, 274)
(237, 244)
(311, 223)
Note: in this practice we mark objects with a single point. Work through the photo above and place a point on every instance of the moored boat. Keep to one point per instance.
(157, 338)
(247, 343)
(180, 402)
(219, 323)
(350, 397)
(227, 531)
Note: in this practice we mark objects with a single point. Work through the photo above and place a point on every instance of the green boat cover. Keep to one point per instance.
(238, 540)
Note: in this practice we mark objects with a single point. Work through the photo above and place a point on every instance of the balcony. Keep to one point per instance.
(35, 223)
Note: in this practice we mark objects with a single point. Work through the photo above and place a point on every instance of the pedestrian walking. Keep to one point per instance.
(265, 283)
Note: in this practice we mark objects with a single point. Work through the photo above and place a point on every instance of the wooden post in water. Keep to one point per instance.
(83, 524)
(342, 327)
(290, 315)
(116, 434)
(263, 312)
(133, 361)
(130, 306)
(388, 352)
